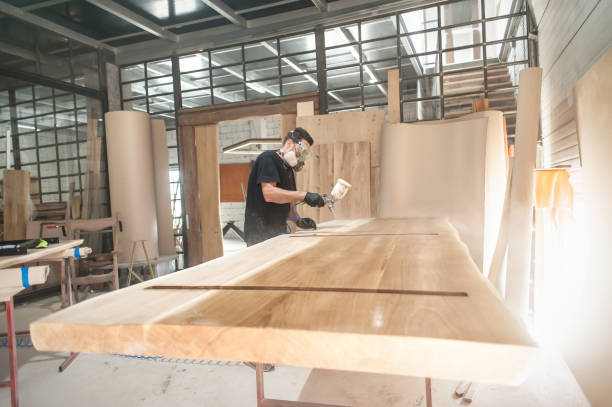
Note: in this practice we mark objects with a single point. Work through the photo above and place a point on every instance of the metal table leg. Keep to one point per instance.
(72, 356)
(12, 348)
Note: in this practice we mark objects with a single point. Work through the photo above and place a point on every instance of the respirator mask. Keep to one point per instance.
(296, 157)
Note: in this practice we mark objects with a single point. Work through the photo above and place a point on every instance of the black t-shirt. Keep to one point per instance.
(264, 220)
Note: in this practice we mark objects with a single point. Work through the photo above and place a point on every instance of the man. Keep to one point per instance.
(272, 190)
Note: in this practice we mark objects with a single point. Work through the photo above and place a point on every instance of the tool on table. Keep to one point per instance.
(338, 192)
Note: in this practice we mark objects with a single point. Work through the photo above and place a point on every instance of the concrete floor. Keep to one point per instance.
(103, 380)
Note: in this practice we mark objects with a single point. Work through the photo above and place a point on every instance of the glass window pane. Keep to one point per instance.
(460, 12)
(511, 51)
(49, 185)
(342, 56)
(263, 89)
(461, 36)
(343, 77)
(341, 35)
(5, 113)
(299, 63)
(42, 92)
(67, 151)
(64, 102)
(377, 71)
(383, 27)
(227, 75)
(161, 103)
(160, 86)
(420, 88)
(196, 98)
(421, 110)
(195, 80)
(66, 135)
(500, 8)
(423, 65)
(132, 90)
(194, 62)
(23, 94)
(46, 138)
(28, 156)
(81, 101)
(138, 104)
(44, 106)
(228, 94)
(344, 98)
(496, 29)
(47, 154)
(25, 109)
(132, 73)
(375, 94)
(4, 98)
(65, 119)
(419, 43)
(260, 50)
(32, 169)
(262, 69)
(459, 58)
(26, 125)
(69, 167)
(159, 68)
(418, 20)
(27, 140)
(377, 50)
(226, 56)
(297, 43)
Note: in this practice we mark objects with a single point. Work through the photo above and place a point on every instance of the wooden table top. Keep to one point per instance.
(33, 255)
(398, 296)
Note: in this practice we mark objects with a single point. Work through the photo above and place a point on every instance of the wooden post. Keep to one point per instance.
(480, 105)
(16, 193)
(305, 108)
(393, 96)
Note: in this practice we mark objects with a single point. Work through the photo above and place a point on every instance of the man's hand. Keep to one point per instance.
(314, 199)
(306, 223)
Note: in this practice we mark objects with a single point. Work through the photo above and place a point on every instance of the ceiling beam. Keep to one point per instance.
(320, 4)
(28, 17)
(134, 19)
(220, 7)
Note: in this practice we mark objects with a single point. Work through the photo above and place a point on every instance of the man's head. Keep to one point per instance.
(296, 148)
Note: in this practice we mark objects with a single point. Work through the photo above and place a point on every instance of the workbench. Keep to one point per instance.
(395, 296)
(14, 280)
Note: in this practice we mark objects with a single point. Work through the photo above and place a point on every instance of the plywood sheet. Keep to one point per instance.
(350, 164)
(587, 334)
(16, 203)
(351, 127)
(522, 191)
(471, 336)
(130, 174)
(232, 178)
(207, 147)
(163, 206)
(453, 168)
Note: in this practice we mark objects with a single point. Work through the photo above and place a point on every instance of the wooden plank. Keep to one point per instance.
(207, 151)
(16, 210)
(39, 254)
(326, 175)
(305, 109)
(393, 96)
(235, 111)
(350, 127)
(287, 124)
(191, 206)
(231, 177)
(11, 280)
(480, 105)
(585, 334)
(473, 337)
(351, 164)
(522, 191)
(163, 206)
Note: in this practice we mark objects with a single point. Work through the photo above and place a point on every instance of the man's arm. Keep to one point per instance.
(272, 193)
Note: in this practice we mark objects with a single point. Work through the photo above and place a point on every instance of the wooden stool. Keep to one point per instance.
(130, 270)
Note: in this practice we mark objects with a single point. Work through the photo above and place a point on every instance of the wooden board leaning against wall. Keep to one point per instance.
(199, 165)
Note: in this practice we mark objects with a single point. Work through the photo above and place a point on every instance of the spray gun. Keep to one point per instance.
(338, 192)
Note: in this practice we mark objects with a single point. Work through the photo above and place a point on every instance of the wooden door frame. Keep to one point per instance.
(188, 121)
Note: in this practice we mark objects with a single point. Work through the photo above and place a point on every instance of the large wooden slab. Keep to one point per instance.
(16, 192)
(52, 251)
(460, 337)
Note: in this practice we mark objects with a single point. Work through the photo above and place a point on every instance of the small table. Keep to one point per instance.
(9, 288)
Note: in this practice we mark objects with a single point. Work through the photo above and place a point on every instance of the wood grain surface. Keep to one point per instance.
(471, 337)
